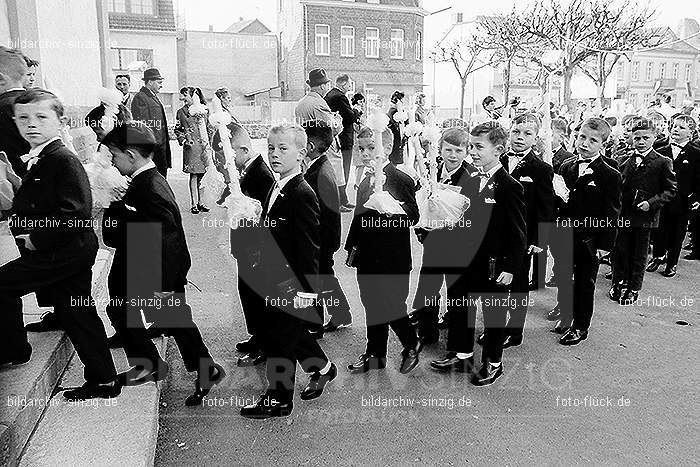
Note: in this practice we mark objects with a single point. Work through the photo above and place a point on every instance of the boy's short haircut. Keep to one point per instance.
(342, 79)
(367, 132)
(612, 121)
(487, 100)
(12, 64)
(494, 132)
(128, 77)
(559, 124)
(221, 92)
(600, 125)
(643, 124)
(627, 118)
(39, 95)
(454, 136)
(690, 121)
(132, 135)
(527, 117)
(298, 133)
(321, 135)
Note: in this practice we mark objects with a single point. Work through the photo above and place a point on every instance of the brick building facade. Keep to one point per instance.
(378, 43)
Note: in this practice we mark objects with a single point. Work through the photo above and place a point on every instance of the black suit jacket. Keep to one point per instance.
(290, 245)
(498, 227)
(338, 102)
(11, 142)
(382, 242)
(256, 182)
(146, 108)
(559, 157)
(321, 178)
(54, 203)
(687, 169)
(145, 221)
(594, 201)
(536, 176)
(443, 248)
(653, 181)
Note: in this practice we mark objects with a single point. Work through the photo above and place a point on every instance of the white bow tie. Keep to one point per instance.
(30, 159)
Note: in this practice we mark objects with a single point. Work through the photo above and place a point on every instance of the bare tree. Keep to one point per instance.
(620, 28)
(467, 55)
(507, 37)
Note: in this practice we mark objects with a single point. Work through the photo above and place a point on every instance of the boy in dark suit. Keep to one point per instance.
(648, 182)
(256, 180)
(289, 260)
(498, 237)
(13, 68)
(585, 228)
(379, 246)
(535, 176)
(668, 238)
(150, 266)
(321, 178)
(52, 224)
(441, 262)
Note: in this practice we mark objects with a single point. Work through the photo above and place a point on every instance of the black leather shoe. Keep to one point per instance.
(410, 358)
(573, 337)
(512, 341)
(247, 346)
(670, 272)
(629, 297)
(450, 362)
(615, 292)
(692, 256)
(608, 275)
(216, 374)
(317, 383)
(93, 391)
(481, 339)
(267, 407)
(554, 314)
(561, 327)
(115, 341)
(332, 326)
(252, 359)
(487, 374)
(224, 195)
(654, 264)
(135, 376)
(18, 358)
(49, 322)
(551, 283)
(367, 362)
(316, 333)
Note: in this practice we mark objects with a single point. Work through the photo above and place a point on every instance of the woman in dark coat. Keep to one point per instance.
(396, 128)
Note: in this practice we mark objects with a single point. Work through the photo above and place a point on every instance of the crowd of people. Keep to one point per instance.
(599, 199)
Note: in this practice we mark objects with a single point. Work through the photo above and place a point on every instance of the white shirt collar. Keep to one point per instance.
(285, 180)
(493, 170)
(588, 161)
(637, 153)
(448, 173)
(13, 89)
(148, 165)
(248, 162)
(34, 152)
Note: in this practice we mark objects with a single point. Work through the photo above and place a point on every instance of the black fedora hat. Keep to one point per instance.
(317, 77)
(151, 73)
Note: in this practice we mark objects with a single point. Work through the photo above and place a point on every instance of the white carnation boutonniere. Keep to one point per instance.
(588, 171)
(490, 186)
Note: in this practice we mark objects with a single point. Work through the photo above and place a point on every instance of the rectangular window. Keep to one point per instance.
(347, 41)
(650, 71)
(323, 39)
(117, 6)
(397, 43)
(142, 7)
(620, 70)
(687, 72)
(662, 70)
(372, 43)
(132, 59)
(633, 100)
(419, 46)
(675, 71)
(635, 71)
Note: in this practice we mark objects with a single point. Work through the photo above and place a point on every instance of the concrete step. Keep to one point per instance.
(25, 392)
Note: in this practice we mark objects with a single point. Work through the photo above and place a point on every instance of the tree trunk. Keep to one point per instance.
(506, 83)
(461, 99)
(566, 84)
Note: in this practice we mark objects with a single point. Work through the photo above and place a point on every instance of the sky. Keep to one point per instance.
(199, 14)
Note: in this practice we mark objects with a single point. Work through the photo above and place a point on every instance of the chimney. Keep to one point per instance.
(211, 28)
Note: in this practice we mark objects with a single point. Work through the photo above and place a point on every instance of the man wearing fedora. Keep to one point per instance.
(147, 108)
